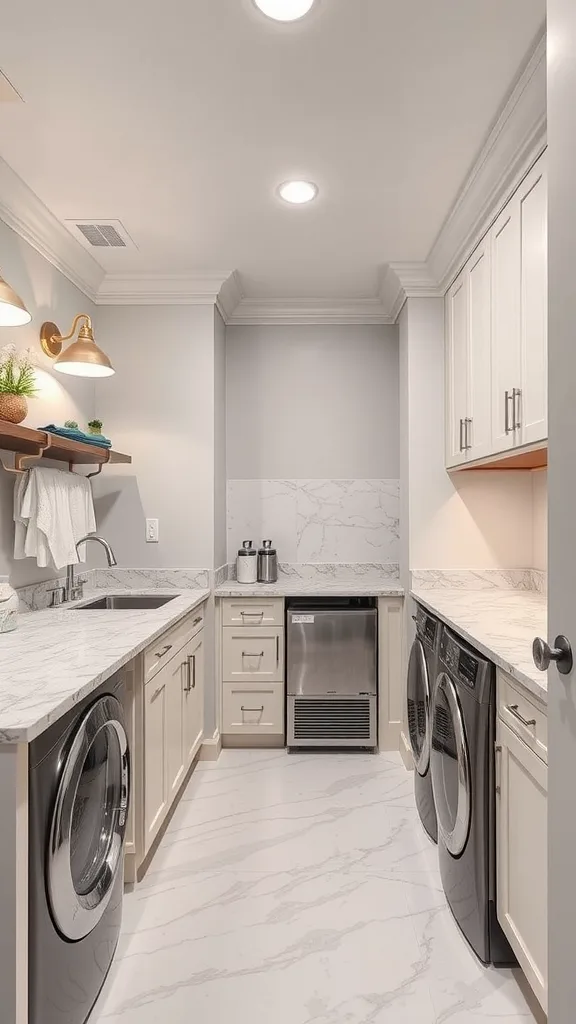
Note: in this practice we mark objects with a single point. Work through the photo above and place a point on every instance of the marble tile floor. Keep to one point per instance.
(298, 889)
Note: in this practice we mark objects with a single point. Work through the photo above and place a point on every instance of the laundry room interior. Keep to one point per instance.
(285, 534)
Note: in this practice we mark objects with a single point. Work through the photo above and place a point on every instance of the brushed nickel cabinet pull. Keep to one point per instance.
(197, 620)
(258, 710)
(277, 650)
(248, 615)
(513, 709)
(164, 651)
(246, 654)
(507, 399)
(498, 750)
(517, 409)
(461, 430)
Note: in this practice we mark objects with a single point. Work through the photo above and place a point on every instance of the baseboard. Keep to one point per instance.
(406, 752)
(253, 742)
(210, 750)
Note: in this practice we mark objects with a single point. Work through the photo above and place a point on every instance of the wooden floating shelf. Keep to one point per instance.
(28, 444)
(532, 458)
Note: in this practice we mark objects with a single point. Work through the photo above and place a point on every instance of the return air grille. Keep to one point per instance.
(101, 234)
(332, 721)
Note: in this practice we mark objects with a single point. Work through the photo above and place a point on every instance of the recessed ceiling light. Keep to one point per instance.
(298, 191)
(284, 10)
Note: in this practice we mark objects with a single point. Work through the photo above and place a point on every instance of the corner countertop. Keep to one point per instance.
(501, 624)
(57, 657)
(328, 586)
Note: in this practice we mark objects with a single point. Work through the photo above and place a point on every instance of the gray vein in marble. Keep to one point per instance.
(57, 657)
(479, 579)
(500, 623)
(323, 578)
(189, 579)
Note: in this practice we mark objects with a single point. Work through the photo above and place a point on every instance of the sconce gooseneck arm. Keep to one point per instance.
(66, 337)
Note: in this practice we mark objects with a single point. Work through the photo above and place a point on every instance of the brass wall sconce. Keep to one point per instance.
(82, 358)
(13, 312)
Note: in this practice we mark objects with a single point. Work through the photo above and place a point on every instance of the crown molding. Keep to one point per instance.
(160, 289)
(26, 214)
(309, 311)
(516, 139)
(230, 296)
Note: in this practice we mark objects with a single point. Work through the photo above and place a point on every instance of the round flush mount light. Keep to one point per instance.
(298, 192)
(284, 10)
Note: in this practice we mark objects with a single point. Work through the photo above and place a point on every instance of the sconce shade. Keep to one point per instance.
(82, 358)
(13, 312)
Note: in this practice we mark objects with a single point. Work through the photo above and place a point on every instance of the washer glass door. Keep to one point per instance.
(89, 821)
(450, 767)
(418, 697)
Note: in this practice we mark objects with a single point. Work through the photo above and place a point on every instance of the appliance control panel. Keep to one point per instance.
(427, 628)
(462, 666)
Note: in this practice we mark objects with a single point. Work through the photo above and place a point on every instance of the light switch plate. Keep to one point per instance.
(152, 531)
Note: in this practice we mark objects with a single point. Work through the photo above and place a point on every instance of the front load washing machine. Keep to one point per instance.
(422, 666)
(462, 765)
(79, 787)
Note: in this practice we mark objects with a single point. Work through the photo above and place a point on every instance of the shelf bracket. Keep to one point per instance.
(21, 459)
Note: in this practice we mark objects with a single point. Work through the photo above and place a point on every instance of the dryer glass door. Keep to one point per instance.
(450, 767)
(418, 697)
(89, 821)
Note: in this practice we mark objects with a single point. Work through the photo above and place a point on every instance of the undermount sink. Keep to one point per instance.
(123, 602)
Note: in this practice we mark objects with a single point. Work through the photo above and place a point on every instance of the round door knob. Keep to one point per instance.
(561, 653)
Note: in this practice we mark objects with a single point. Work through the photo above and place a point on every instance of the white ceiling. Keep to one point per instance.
(181, 118)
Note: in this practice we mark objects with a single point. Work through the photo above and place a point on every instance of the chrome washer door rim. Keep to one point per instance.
(454, 839)
(77, 915)
(422, 757)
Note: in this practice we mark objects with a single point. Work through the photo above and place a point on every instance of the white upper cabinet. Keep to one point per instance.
(479, 427)
(506, 358)
(533, 204)
(457, 363)
(496, 336)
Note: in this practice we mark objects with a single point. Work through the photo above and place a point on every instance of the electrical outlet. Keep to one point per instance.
(152, 531)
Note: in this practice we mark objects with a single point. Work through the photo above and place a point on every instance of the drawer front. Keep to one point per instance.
(163, 649)
(253, 710)
(523, 716)
(256, 612)
(252, 655)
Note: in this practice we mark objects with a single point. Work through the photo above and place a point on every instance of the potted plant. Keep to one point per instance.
(17, 383)
(95, 427)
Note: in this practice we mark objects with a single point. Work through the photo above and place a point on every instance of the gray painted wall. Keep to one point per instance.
(312, 402)
(49, 296)
(219, 440)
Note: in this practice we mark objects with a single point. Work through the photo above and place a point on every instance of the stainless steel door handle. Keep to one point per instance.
(461, 432)
(516, 415)
(513, 709)
(186, 665)
(164, 651)
(507, 399)
(561, 653)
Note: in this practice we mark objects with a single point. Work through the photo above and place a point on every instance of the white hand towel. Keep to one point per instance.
(53, 510)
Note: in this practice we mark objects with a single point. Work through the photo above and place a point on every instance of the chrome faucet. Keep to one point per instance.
(74, 588)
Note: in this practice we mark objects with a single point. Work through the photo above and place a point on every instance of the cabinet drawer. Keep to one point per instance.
(523, 716)
(256, 612)
(160, 652)
(252, 655)
(253, 709)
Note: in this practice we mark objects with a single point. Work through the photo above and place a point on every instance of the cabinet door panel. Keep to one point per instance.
(252, 655)
(457, 368)
(478, 433)
(506, 352)
(533, 200)
(175, 699)
(194, 698)
(522, 858)
(155, 767)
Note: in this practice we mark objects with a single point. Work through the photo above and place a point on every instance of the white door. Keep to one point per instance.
(506, 358)
(457, 368)
(478, 431)
(562, 503)
(533, 200)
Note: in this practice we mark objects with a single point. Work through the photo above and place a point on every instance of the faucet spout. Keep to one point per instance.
(111, 557)
(73, 589)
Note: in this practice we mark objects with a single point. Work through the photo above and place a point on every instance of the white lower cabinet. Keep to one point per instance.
(252, 658)
(173, 730)
(256, 709)
(521, 830)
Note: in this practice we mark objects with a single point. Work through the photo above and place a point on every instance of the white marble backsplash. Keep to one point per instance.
(38, 596)
(222, 573)
(317, 520)
(480, 579)
(188, 579)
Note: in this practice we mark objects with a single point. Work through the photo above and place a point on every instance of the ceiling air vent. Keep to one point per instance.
(101, 234)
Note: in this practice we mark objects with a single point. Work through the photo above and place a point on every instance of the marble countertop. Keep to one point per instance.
(58, 656)
(501, 624)
(352, 585)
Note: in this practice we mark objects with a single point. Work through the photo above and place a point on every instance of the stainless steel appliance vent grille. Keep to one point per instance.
(332, 721)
